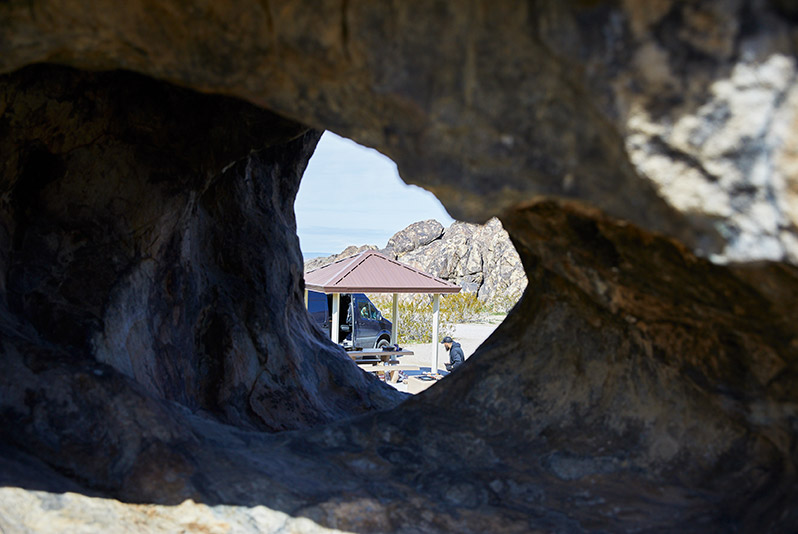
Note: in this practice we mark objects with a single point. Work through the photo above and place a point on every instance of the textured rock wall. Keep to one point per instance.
(721, 148)
(635, 364)
(677, 116)
(611, 399)
(143, 312)
(133, 232)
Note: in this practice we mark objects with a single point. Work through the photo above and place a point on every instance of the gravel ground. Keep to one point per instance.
(469, 335)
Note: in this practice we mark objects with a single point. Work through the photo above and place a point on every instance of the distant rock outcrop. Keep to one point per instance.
(418, 234)
(481, 259)
(316, 263)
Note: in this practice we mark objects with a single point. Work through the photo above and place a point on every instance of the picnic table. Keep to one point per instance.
(383, 361)
(377, 354)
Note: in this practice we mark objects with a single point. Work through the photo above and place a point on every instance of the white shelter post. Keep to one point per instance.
(436, 313)
(395, 322)
(335, 327)
(306, 299)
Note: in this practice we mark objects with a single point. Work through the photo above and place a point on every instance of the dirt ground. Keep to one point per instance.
(469, 335)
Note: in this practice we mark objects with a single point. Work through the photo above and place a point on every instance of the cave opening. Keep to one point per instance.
(151, 268)
(351, 195)
(352, 199)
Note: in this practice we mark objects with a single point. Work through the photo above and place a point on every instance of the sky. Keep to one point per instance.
(352, 195)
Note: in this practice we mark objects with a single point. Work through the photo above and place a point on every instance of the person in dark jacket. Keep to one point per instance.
(456, 356)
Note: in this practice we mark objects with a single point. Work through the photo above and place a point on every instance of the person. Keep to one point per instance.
(456, 356)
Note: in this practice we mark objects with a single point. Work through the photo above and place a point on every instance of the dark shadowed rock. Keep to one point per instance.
(134, 232)
(152, 336)
(626, 401)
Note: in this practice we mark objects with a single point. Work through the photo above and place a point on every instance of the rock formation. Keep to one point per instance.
(123, 228)
(479, 258)
(419, 234)
(153, 345)
(492, 103)
(316, 263)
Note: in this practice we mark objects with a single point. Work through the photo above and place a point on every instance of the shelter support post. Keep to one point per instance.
(335, 327)
(395, 322)
(306, 299)
(436, 312)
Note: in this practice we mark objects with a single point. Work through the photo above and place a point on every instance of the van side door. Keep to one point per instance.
(367, 318)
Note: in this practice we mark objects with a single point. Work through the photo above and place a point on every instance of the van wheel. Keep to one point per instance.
(382, 343)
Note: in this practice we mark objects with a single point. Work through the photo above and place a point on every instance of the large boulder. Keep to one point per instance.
(620, 395)
(155, 359)
(479, 258)
(504, 279)
(416, 235)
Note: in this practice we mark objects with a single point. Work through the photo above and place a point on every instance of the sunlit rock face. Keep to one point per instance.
(479, 258)
(718, 140)
(153, 339)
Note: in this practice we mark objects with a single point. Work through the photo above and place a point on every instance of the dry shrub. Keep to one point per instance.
(462, 307)
(415, 313)
(501, 304)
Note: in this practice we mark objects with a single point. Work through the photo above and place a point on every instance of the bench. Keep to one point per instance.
(389, 366)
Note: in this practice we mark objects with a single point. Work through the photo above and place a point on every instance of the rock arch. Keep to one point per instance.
(636, 386)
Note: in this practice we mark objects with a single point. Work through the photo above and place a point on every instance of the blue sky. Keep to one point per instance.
(352, 195)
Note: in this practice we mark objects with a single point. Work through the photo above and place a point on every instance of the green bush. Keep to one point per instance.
(415, 313)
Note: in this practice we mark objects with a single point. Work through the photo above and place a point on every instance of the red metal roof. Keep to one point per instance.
(371, 272)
